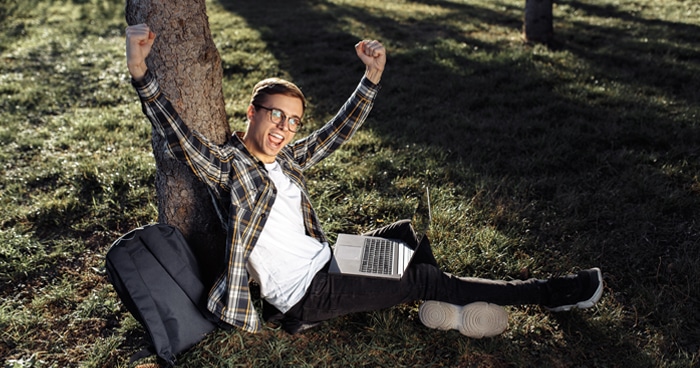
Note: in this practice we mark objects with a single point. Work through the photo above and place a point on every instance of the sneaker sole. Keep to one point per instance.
(477, 320)
(586, 303)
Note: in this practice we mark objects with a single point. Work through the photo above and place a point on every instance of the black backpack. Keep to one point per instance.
(156, 276)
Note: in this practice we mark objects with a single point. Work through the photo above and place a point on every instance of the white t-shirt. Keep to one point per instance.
(285, 259)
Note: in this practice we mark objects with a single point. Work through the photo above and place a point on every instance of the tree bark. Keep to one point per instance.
(537, 27)
(188, 67)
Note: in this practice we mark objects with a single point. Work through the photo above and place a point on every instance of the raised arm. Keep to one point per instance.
(204, 158)
(324, 141)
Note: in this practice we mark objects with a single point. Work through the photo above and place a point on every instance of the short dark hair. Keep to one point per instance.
(276, 86)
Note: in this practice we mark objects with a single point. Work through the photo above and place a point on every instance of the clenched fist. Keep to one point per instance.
(139, 40)
(373, 54)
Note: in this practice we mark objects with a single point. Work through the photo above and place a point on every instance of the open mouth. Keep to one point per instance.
(275, 139)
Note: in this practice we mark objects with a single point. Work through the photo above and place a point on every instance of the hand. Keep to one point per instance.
(373, 54)
(139, 40)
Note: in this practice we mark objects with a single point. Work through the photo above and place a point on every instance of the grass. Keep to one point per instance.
(541, 161)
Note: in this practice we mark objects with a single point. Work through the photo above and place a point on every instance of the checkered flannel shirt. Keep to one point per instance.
(240, 182)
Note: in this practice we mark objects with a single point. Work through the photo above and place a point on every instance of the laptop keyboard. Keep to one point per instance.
(377, 257)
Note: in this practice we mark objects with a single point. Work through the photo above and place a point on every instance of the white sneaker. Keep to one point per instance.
(477, 320)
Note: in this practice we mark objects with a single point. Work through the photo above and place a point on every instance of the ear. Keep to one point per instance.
(250, 112)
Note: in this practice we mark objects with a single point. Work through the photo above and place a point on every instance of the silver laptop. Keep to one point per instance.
(379, 257)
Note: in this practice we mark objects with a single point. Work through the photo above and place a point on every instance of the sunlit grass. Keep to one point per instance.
(541, 160)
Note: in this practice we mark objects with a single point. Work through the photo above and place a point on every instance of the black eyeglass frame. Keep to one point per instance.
(291, 126)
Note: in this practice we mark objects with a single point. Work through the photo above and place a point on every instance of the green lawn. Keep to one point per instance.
(541, 161)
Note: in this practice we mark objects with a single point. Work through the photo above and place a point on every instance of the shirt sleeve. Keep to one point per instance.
(207, 160)
(324, 141)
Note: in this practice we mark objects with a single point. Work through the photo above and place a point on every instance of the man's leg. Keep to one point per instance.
(334, 295)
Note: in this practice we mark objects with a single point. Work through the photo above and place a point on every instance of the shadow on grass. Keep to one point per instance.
(652, 57)
(599, 169)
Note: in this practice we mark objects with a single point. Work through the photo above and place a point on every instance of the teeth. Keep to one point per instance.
(277, 136)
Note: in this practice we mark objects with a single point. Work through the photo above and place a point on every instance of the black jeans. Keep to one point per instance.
(333, 295)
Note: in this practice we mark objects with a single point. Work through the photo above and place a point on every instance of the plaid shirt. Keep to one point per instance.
(240, 183)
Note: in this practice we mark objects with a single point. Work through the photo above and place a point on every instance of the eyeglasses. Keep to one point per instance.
(277, 116)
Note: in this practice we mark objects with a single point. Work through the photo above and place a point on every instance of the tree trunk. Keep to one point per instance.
(187, 65)
(537, 26)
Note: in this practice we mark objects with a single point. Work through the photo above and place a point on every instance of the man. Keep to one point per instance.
(275, 238)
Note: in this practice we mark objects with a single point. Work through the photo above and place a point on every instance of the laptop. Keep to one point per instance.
(379, 257)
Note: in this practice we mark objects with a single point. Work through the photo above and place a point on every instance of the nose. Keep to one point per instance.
(283, 124)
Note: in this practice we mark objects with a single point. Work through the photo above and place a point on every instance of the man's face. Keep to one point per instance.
(264, 139)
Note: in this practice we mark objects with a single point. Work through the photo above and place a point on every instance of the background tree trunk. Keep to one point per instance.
(538, 26)
(187, 65)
